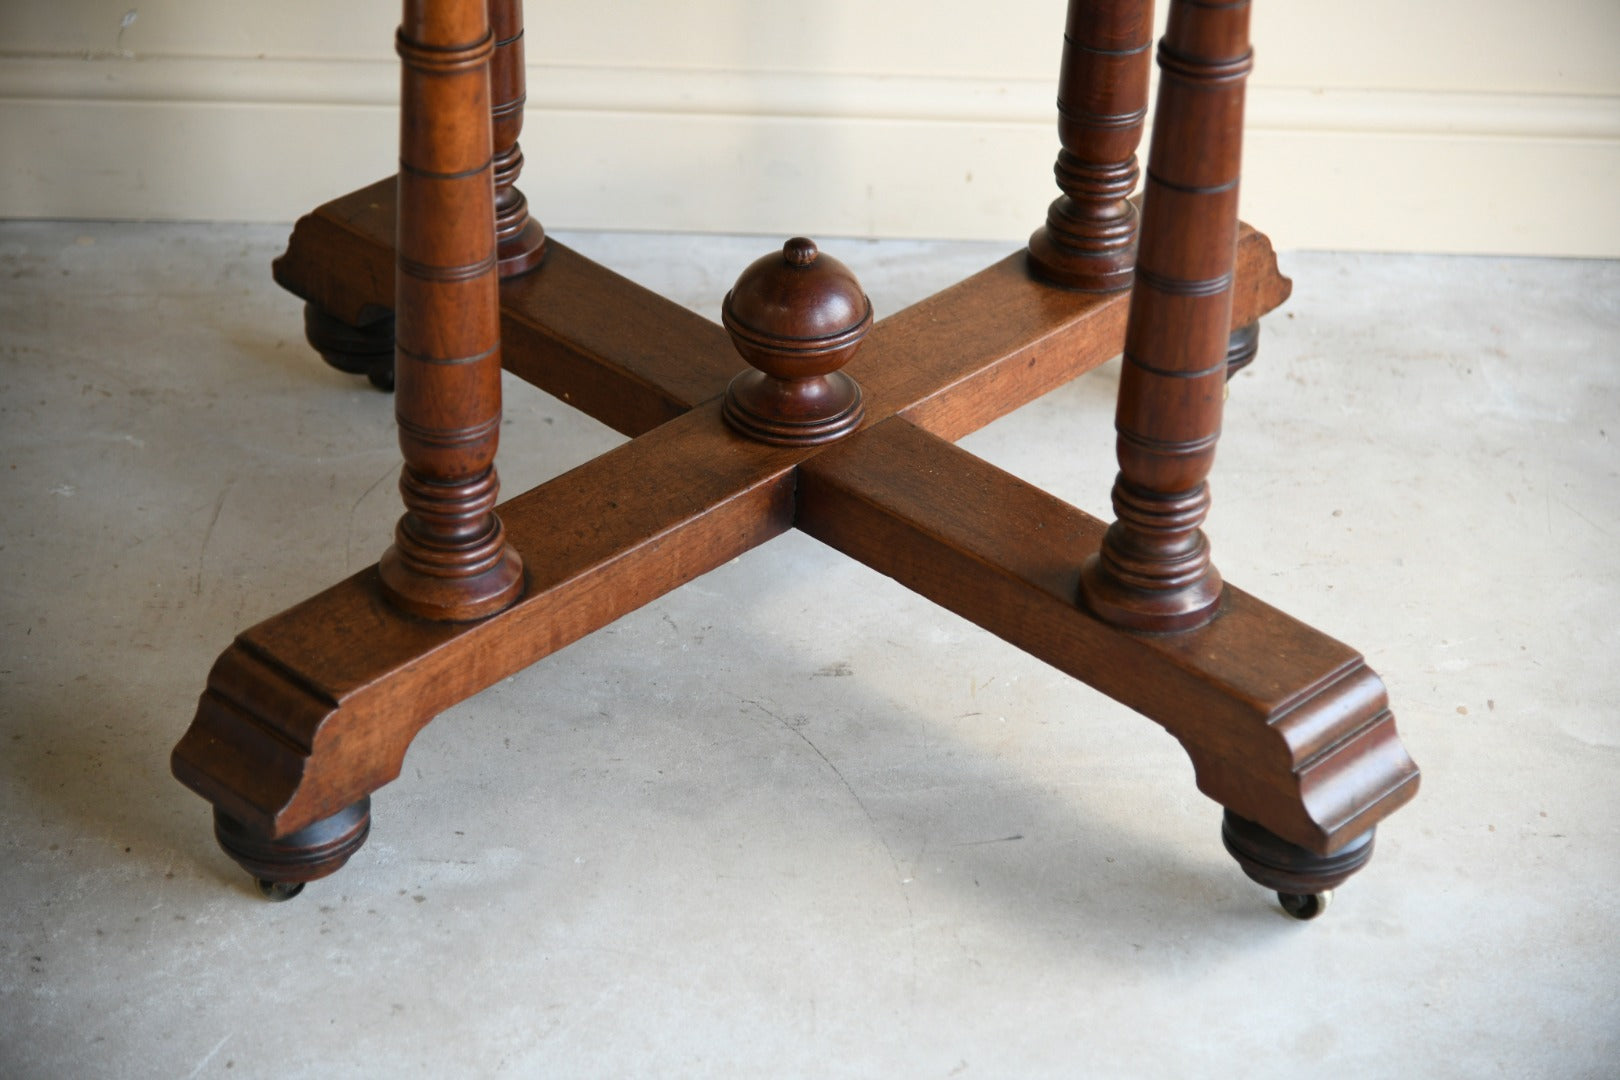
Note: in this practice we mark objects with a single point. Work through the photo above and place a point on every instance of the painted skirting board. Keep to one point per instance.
(835, 154)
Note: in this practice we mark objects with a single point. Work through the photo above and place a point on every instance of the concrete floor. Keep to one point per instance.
(792, 820)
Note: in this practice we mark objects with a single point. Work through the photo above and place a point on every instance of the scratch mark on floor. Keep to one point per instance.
(202, 555)
(1568, 506)
(911, 916)
(348, 528)
(207, 1058)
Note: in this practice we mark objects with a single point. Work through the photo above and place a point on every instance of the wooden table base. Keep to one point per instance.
(308, 713)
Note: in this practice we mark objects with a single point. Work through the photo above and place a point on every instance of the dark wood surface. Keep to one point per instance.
(633, 359)
(309, 712)
(950, 364)
(1283, 724)
(622, 353)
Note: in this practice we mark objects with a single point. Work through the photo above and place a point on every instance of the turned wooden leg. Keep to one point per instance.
(1089, 239)
(520, 239)
(282, 865)
(1154, 572)
(362, 343)
(450, 559)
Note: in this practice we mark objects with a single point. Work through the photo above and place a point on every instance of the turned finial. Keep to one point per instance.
(796, 317)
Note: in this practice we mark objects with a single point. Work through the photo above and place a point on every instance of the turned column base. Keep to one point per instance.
(447, 598)
(1109, 265)
(1152, 611)
(1304, 881)
(521, 251)
(282, 866)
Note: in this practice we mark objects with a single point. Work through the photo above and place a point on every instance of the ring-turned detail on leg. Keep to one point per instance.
(520, 241)
(1089, 239)
(1154, 572)
(450, 559)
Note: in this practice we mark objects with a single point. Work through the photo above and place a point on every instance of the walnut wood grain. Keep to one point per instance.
(620, 352)
(1000, 339)
(1284, 725)
(796, 316)
(314, 708)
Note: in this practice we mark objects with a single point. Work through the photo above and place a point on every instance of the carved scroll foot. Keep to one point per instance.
(1304, 880)
(359, 350)
(281, 866)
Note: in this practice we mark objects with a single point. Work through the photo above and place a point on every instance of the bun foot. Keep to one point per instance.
(1303, 880)
(1241, 348)
(282, 866)
(358, 350)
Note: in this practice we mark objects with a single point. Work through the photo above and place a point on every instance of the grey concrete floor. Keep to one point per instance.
(791, 820)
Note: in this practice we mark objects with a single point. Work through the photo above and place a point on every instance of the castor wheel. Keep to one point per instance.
(278, 891)
(1305, 906)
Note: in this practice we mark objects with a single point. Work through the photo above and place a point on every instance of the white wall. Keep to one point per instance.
(1447, 125)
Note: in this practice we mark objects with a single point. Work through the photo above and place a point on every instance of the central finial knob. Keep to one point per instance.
(796, 319)
(800, 251)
